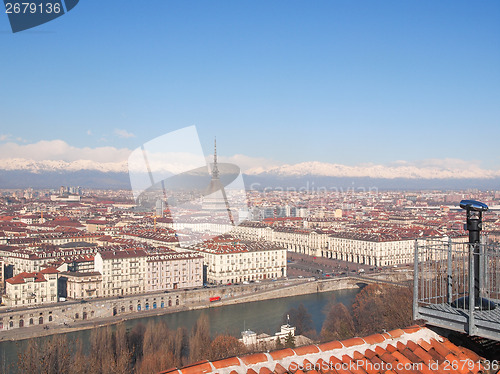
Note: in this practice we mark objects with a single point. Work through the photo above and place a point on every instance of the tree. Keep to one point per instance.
(199, 342)
(51, 357)
(278, 344)
(378, 308)
(135, 339)
(300, 319)
(156, 349)
(289, 341)
(155, 337)
(399, 306)
(338, 324)
(80, 361)
(123, 356)
(102, 359)
(180, 346)
(224, 346)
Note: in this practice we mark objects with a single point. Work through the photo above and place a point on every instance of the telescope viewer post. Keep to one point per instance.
(474, 225)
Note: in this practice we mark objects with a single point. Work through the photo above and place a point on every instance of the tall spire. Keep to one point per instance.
(215, 169)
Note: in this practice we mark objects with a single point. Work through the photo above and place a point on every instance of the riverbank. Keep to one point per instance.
(281, 289)
(264, 316)
(194, 300)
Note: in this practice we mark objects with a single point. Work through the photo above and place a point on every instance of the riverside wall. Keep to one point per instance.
(70, 312)
(75, 314)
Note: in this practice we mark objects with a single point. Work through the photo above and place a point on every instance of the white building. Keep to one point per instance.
(372, 249)
(123, 272)
(30, 261)
(263, 341)
(174, 270)
(31, 288)
(82, 285)
(228, 260)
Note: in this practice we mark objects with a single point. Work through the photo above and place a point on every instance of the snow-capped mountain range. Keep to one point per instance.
(21, 164)
(437, 169)
(403, 170)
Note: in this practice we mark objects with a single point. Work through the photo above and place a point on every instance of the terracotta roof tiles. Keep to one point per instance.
(300, 351)
(254, 358)
(330, 346)
(282, 353)
(352, 342)
(233, 361)
(415, 350)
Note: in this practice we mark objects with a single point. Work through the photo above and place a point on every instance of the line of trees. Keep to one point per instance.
(154, 347)
(375, 309)
(144, 349)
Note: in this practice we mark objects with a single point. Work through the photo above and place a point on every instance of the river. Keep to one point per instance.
(259, 316)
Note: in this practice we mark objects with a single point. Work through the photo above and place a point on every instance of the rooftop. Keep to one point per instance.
(410, 350)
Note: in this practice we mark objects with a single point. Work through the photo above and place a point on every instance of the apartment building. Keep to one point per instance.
(82, 285)
(373, 249)
(123, 271)
(229, 260)
(174, 270)
(31, 288)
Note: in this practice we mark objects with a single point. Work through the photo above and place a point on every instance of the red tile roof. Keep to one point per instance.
(49, 271)
(411, 350)
(38, 276)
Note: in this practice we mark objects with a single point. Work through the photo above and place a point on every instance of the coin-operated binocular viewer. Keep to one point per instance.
(474, 225)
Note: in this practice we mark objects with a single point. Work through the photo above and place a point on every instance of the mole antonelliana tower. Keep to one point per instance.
(215, 196)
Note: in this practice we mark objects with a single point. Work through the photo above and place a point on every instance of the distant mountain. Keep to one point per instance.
(358, 184)
(11, 164)
(97, 179)
(436, 170)
(22, 173)
(54, 179)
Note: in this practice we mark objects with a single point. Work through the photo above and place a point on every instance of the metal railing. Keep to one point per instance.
(446, 286)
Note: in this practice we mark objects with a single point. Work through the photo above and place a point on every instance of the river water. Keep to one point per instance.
(259, 316)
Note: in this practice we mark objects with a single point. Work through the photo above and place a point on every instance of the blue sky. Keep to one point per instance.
(349, 82)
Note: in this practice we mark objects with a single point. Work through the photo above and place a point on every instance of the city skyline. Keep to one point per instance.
(385, 90)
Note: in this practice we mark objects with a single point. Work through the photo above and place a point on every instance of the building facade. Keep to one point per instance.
(228, 260)
(123, 272)
(83, 285)
(174, 270)
(31, 288)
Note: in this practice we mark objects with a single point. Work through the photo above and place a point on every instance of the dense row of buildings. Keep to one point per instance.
(103, 247)
(109, 273)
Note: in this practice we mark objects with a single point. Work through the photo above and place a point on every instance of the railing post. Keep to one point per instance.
(415, 280)
(483, 270)
(472, 295)
(449, 293)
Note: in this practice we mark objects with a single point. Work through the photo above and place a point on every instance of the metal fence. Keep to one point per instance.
(447, 290)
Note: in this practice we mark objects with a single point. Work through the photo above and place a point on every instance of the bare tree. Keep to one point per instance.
(301, 320)
(123, 356)
(80, 360)
(51, 357)
(199, 342)
(135, 340)
(378, 308)
(338, 324)
(157, 354)
(102, 357)
(224, 346)
(180, 346)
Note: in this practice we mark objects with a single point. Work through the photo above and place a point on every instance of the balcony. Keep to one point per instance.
(445, 293)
